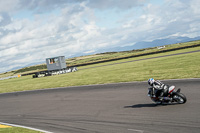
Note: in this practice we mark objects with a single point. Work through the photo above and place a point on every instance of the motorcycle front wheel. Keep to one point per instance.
(180, 98)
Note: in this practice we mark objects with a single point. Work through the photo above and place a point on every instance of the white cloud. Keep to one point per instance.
(71, 27)
(121, 4)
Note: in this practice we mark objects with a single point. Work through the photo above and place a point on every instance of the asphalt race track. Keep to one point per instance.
(110, 108)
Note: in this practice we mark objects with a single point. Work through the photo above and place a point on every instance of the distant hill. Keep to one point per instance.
(155, 43)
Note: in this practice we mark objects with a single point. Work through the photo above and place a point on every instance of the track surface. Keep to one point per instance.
(111, 108)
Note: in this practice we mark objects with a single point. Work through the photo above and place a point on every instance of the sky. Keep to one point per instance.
(33, 30)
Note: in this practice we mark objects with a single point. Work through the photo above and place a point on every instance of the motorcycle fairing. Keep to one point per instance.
(171, 88)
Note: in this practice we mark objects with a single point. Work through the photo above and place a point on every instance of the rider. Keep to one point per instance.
(156, 84)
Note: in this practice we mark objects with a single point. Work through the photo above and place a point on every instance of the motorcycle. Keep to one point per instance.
(170, 96)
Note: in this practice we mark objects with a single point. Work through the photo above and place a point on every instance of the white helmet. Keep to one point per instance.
(151, 81)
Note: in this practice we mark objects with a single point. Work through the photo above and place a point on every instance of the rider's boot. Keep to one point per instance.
(165, 98)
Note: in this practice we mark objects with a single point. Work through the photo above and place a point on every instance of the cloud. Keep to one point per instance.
(121, 4)
(40, 6)
(4, 19)
(71, 27)
(37, 6)
(173, 17)
(48, 36)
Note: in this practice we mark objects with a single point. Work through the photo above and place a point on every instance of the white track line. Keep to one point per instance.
(134, 130)
(35, 129)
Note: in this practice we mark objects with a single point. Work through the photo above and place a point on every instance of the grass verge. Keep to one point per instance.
(17, 130)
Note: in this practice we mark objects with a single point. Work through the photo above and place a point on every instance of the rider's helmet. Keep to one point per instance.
(151, 81)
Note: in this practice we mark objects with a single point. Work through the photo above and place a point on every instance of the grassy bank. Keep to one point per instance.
(17, 130)
(172, 67)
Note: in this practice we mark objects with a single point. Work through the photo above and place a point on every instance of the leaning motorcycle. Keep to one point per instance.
(170, 96)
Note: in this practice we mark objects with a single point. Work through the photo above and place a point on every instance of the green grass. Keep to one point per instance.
(173, 67)
(17, 130)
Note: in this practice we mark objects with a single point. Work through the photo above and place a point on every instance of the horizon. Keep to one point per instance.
(44, 63)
